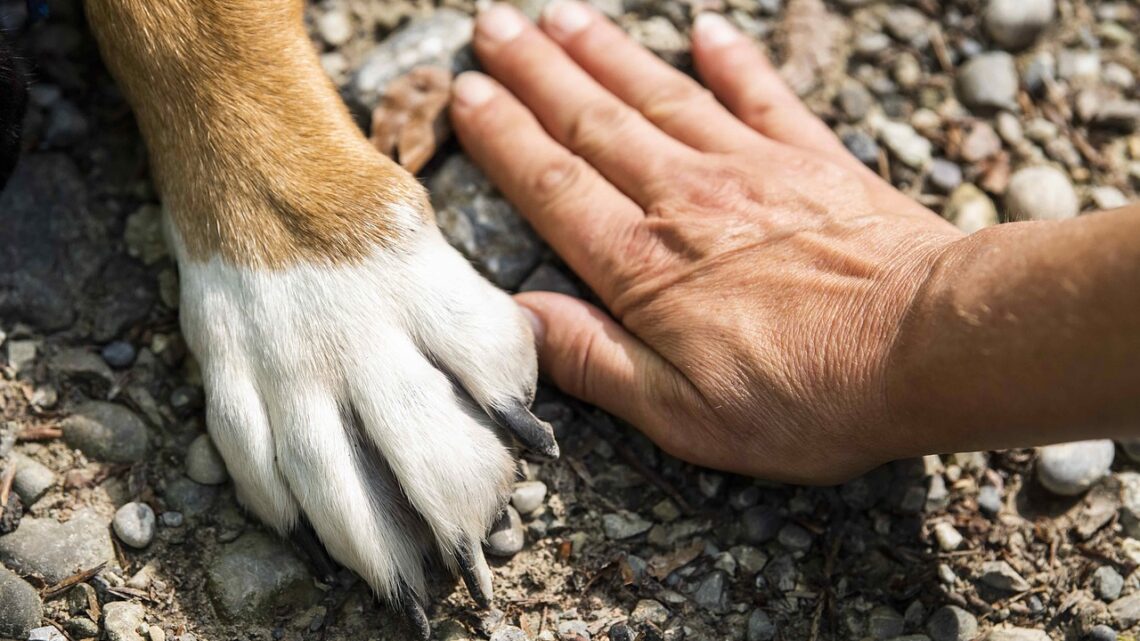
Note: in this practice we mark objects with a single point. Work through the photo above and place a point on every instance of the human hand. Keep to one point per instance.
(756, 274)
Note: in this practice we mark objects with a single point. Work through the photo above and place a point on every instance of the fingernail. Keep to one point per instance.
(536, 326)
(472, 89)
(565, 17)
(501, 22)
(713, 30)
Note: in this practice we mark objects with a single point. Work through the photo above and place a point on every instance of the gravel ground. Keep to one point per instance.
(985, 111)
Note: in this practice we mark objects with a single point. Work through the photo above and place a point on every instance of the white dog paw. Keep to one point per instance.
(372, 400)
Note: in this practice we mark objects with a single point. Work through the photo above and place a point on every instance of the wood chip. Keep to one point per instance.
(78, 577)
(410, 122)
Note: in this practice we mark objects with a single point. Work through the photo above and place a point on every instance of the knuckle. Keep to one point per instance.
(596, 124)
(673, 100)
(558, 179)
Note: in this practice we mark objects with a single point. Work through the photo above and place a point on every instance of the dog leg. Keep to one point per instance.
(360, 376)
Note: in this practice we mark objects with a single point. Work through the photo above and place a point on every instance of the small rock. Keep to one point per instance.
(66, 125)
(980, 143)
(134, 523)
(988, 81)
(82, 627)
(84, 370)
(32, 480)
(507, 536)
(624, 525)
(1068, 469)
(144, 235)
(1126, 610)
(885, 623)
(945, 176)
(947, 536)
(1118, 115)
(906, 144)
(1101, 633)
(57, 550)
(46, 633)
(659, 35)
(1109, 197)
(509, 633)
(989, 499)
(905, 23)
(863, 147)
(1041, 193)
(794, 537)
(1130, 502)
(970, 209)
(761, 524)
(649, 611)
(436, 39)
(203, 462)
(20, 605)
(760, 626)
(951, 623)
(335, 26)
(1107, 583)
(189, 498)
(1009, 128)
(854, 100)
(107, 432)
(710, 593)
(1016, 634)
(1014, 24)
(119, 354)
(122, 619)
(710, 484)
(750, 559)
(573, 630)
(1000, 575)
(256, 574)
(528, 496)
(1078, 67)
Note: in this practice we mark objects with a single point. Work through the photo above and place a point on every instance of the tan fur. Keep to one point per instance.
(255, 156)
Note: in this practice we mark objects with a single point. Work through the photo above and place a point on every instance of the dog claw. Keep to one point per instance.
(306, 539)
(536, 435)
(414, 612)
(473, 568)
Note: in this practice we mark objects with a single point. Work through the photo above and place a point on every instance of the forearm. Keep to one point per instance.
(1026, 333)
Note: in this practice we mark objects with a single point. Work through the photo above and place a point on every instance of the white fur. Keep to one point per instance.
(289, 357)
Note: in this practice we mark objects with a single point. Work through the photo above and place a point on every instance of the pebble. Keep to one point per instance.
(482, 225)
(1041, 193)
(84, 370)
(854, 100)
(951, 623)
(1101, 632)
(760, 626)
(989, 499)
(885, 623)
(907, 24)
(189, 498)
(82, 627)
(948, 537)
(1078, 66)
(1009, 128)
(980, 143)
(509, 633)
(203, 462)
(1126, 610)
(507, 536)
(432, 40)
(905, 143)
(134, 523)
(335, 27)
(528, 496)
(620, 632)
(122, 619)
(988, 81)
(863, 147)
(649, 611)
(624, 525)
(57, 550)
(1118, 115)
(20, 605)
(945, 176)
(794, 537)
(573, 630)
(761, 523)
(66, 124)
(107, 432)
(1015, 24)
(46, 633)
(710, 593)
(119, 354)
(1068, 469)
(33, 479)
(1016, 634)
(1000, 575)
(1109, 197)
(1107, 583)
(256, 574)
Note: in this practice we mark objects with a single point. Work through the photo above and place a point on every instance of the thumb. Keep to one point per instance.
(588, 355)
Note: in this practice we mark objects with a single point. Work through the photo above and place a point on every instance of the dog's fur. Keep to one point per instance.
(351, 358)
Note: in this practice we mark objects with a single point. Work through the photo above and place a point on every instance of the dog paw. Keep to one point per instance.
(374, 399)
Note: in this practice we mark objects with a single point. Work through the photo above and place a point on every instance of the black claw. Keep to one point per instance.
(536, 435)
(414, 612)
(467, 569)
(306, 539)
